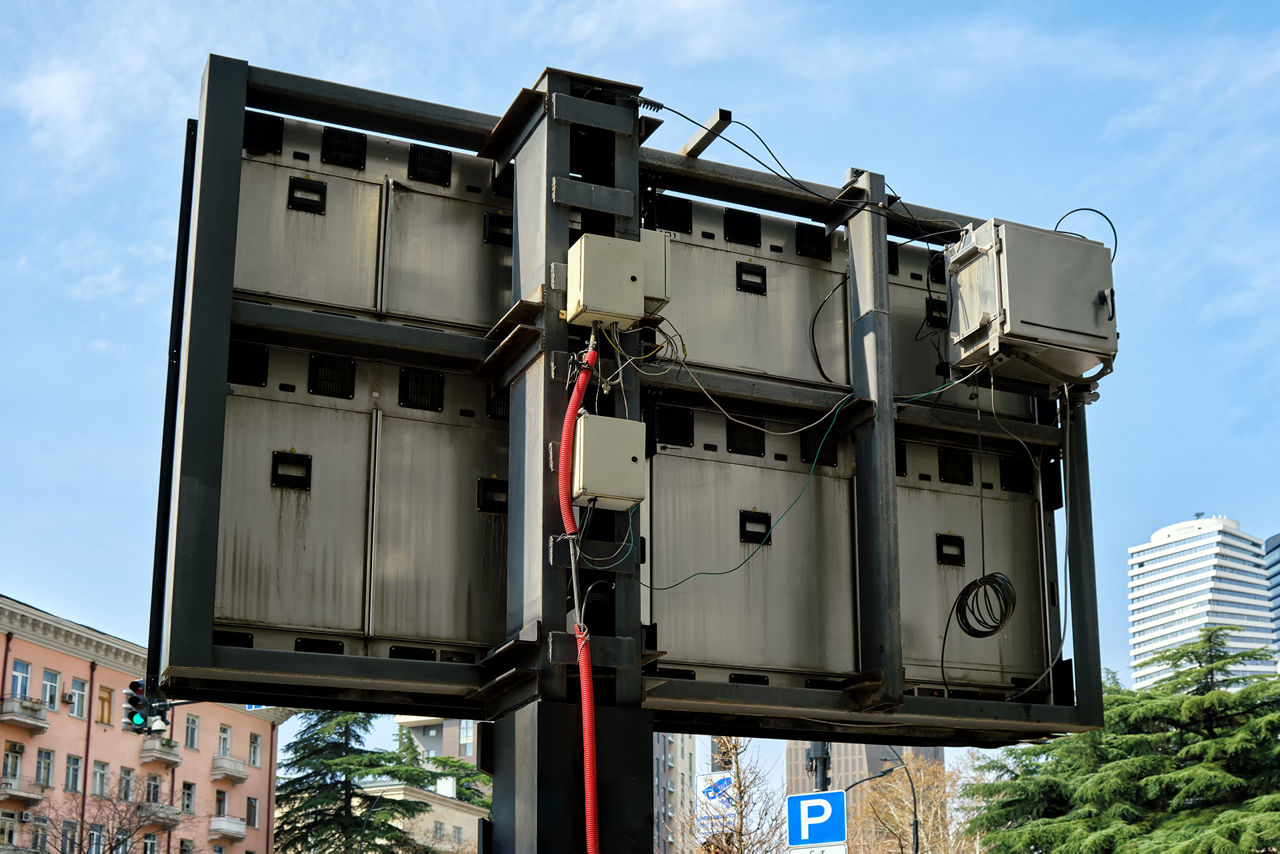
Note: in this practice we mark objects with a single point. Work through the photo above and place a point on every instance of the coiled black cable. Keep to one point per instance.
(983, 607)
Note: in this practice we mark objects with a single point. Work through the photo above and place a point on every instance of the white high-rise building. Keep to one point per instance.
(1195, 574)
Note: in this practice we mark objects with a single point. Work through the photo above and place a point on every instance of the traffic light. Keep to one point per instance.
(136, 706)
(142, 714)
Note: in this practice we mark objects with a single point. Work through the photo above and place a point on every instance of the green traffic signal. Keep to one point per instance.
(137, 719)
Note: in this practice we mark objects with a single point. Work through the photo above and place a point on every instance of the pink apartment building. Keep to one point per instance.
(76, 782)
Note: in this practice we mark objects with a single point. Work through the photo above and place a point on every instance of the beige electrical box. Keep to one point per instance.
(608, 462)
(606, 281)
(656, 247)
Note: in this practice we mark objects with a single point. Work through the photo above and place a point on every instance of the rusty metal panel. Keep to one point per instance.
(307, 235)
(440, 554)
(291, 555)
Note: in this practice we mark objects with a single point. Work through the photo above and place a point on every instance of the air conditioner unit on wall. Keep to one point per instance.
(17, 747)
(24, 817)
(68, 698)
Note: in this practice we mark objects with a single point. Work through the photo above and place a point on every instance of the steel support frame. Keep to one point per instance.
(534, 584)
(538, 778)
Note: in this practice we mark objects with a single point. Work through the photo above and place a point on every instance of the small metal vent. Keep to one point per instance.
(745, 440)
(320, 645)
(247, 364)
(497, 402)
(331, 376)
(741, 227)
(752, 278)
(491, 495)
(421, 389)
(812, 242)
(430, 165)
(1017, 475)
(955, 466)
(755, 527)
(343, 148)
(307, 195)
(263, 134)
(290, 470)
(673, 425)
(503, 183)
(499, 228)
(671, 213)
(809, 441)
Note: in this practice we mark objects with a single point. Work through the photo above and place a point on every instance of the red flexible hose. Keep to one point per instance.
(565, 470)
(588, 738)
(565, 473)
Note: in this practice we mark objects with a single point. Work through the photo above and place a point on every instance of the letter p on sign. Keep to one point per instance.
(817, 818)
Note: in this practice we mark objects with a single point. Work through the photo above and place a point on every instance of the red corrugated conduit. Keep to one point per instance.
(584, 642)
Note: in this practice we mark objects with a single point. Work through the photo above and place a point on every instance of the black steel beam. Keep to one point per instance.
(368, 338)
(334, 103)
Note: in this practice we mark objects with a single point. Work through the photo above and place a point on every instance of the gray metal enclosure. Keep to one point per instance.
(367, 381)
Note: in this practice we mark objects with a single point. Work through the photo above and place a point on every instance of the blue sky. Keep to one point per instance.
(1167, 116)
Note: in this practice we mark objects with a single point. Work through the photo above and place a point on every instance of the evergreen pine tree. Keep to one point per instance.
(1192, 765)
(321, 805)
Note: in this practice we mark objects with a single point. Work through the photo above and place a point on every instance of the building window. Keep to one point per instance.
(218, 849)
(104, 705)
(151, 844)
(220, 803)
(44, 767)
(186, 846)
(467, 738)
(97, 839)
(68, 845)
(224, 740)
(438, 831)
(251, 812)
(49, 692)
(255, 749)
(8, 829)
(40, 833)
(73, 774)
(193, 732)
(126, 784)
(21, 679)
(12, 762)
(189, 798)
(122, 842)
(457, 835)
(431, 732)
(432, 753)
(101, 772)
(153, 788)
(79, 692)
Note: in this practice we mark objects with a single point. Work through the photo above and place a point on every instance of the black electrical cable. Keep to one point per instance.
(813, 324)
(1115, 238)
(985, 605)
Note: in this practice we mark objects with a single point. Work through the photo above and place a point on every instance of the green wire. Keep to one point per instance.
(768, 533)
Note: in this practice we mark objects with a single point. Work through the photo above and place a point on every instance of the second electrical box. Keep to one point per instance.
(1034, 304)
(608, 462)
(606, 281)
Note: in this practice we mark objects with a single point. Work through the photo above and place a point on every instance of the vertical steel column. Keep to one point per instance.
(206, 324)
(871, 370)
(538, 786)
(1080, 568)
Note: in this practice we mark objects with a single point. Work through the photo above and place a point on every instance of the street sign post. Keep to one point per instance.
(816, 820)
(717, 808)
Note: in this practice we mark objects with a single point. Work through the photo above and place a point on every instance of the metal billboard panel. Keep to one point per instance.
(344, 472)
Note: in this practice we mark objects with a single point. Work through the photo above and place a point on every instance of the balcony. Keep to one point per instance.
(229, 768)
(226, 827)
(159, 749)
(166, 816)
(26, 712)
(25, 789)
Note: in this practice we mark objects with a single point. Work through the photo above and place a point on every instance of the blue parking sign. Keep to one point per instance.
(817, 818)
